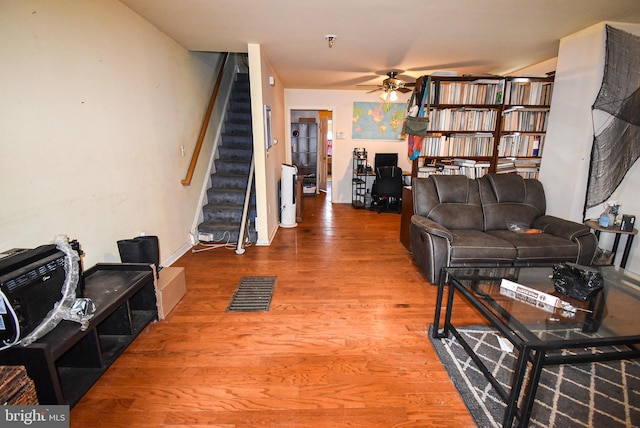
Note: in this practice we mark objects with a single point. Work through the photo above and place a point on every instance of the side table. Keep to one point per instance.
(593, 224)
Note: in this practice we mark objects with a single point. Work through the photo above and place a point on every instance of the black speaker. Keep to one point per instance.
(628, 222)
(150, 249)
(141, 249)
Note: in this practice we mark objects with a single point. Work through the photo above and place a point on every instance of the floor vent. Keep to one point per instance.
(253, 294)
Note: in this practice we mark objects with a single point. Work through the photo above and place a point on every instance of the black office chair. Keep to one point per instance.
(388, 189)
(385, 159)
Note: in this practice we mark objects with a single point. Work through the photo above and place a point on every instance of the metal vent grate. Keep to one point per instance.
(253, 294)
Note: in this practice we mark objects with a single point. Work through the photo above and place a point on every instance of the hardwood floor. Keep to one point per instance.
(344, 344)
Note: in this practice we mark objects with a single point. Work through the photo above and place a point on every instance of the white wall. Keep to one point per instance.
(268, 163)
(95, 103)
(341, 103)
(565, 164)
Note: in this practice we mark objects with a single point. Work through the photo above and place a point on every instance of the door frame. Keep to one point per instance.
(321, 159)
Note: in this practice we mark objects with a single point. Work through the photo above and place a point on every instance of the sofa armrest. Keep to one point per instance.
(562, 228)
(430, 247)
(431, 227)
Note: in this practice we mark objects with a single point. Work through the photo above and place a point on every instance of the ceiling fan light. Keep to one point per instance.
(384, 96)
(393, 96)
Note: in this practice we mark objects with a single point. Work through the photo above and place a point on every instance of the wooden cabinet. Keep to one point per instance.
(67, 361)
(482, 124)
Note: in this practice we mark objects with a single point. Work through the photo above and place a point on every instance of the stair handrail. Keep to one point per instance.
(205, 123)
(245, 209)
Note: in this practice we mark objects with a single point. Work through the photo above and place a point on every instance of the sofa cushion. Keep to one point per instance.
(452, 188)
(474, 246)
(507, 187)
(510, 198)
(539, 248)
(450, 200)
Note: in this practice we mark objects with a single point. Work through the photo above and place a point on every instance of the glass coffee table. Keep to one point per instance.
(605, 327)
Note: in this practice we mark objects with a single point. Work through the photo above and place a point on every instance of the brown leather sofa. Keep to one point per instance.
(460, 222)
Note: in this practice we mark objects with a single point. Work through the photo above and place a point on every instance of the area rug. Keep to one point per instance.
(253, 294)
(605, 394)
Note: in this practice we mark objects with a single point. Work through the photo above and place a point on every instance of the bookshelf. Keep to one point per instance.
(525, 115)
(482, 124)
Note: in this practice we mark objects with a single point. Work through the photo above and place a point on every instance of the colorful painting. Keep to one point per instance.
(377, 121)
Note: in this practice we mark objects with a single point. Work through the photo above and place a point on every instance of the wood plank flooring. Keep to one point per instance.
(344, 344)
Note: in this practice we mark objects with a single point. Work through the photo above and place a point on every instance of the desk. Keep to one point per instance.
(611, 328)
(593, 224)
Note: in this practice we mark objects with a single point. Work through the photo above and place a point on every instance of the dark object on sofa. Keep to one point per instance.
(460, 222)
(387, 191)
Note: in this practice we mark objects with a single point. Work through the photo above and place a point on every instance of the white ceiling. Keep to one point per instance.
(415, 37)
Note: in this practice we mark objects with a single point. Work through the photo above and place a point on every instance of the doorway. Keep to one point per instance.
(313, 147)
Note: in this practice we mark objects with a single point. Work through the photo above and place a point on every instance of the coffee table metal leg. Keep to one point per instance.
(436, 333)
(516, 385)
(531, 387)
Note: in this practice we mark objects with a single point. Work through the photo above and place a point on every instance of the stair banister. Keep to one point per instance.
(245, 209)
(205, 123)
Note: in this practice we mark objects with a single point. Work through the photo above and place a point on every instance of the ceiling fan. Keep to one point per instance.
(390, 85)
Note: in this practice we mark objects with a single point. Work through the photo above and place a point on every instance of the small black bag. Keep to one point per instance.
(577, 281)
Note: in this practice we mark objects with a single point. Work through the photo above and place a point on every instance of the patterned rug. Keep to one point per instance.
(605, 394)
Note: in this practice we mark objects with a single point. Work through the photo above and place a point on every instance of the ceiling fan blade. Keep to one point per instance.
(374, 90)
(404, 90)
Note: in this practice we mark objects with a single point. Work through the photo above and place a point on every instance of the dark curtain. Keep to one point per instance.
(616, 148)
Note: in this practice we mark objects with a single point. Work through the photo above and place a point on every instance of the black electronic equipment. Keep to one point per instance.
(32, 282)
(628, 222)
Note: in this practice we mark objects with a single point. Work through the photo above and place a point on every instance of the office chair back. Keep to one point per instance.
(385, 159)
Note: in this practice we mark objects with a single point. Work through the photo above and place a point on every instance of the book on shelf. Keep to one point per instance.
(478, 91)
(505, 166)
(526, 92)
(520, 144)
(464, 162)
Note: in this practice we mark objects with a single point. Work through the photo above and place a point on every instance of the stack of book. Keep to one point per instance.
(526, 167)
(472, 168)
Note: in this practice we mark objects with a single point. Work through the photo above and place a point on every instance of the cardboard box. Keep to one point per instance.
(170, 288)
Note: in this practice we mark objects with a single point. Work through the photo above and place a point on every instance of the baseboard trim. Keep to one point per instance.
(176, 255)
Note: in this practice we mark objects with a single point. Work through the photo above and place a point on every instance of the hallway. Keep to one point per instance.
(343, 345)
